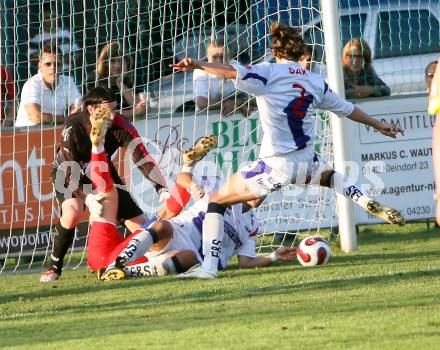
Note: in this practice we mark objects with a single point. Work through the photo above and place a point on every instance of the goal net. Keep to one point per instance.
(139, 39)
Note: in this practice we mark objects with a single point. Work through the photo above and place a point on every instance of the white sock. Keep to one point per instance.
(349, 191)
(187, 169)
(137, 246)
(146, 269)
(155, 266)
(97, 149)
(212, 240)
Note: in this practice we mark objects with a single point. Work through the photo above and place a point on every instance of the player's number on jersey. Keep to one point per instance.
(298, 107)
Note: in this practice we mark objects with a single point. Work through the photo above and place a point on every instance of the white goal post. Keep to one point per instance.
(341, 139)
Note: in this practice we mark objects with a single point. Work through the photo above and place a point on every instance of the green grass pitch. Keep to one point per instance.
(384, 296)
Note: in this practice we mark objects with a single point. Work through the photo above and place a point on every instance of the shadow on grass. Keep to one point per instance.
(93, 286)
(59, 289)
(208, 308)
(343, 260)
(371, 235)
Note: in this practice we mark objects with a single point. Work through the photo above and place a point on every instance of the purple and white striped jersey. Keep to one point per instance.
(285, 94)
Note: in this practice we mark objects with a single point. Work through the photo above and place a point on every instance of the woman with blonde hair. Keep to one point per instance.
(113, 71)
(360, 79)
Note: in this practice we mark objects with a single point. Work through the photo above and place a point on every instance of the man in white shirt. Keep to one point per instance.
(213, 92)
(284, 93)
(46, 96)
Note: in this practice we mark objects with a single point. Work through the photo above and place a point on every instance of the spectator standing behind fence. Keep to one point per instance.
(212, 92)
(432, 77)
(113, 71)
(7, 97)
(360, 79)
(47, 95)
(52, 33)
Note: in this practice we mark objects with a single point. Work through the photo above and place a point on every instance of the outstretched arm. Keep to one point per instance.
(221, 70)
(130, 139)
(282, 253)
(385, 128)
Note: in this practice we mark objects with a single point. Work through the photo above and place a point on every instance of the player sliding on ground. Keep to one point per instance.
(284, 92)
(182, 238)
(107, 248)
(168, 246)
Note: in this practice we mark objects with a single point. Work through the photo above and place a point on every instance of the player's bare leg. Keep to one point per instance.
(335, 180)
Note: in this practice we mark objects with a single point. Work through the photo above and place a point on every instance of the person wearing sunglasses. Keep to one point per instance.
(360, 79)
(48, 95)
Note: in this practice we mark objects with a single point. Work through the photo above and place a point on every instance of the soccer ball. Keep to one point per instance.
(313, 251)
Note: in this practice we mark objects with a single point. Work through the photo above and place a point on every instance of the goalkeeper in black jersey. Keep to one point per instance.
(72, 184)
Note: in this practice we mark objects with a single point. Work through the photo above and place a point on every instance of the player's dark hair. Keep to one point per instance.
(97, 95)
(308, 50)
(287, 42)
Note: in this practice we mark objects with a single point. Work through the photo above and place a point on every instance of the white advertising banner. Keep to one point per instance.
(399, 172)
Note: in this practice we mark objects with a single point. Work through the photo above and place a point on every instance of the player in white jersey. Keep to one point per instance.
(167, 246)
(174, 245)
(284, 93)
(184, 249)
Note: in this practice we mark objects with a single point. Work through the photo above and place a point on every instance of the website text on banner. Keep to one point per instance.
(402, 170)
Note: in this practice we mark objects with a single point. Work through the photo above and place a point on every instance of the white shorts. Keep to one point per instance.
(270, 174)
(185, 237)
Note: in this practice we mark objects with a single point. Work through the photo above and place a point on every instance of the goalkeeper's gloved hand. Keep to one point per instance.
(94, 203)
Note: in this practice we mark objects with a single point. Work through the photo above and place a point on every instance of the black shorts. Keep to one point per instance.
(127, 206)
